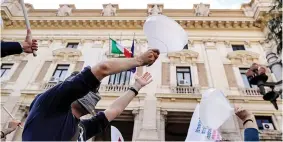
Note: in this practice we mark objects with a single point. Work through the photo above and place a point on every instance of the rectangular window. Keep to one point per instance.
(184, 76)
(60, 73)
(244, 77)
(238, 47)
(264, 123)
(122, 78)
(5, 69)
(72, 45)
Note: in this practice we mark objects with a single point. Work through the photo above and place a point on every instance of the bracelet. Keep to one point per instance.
(134, 90)
(247, 121)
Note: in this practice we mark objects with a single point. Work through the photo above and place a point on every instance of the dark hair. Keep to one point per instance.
(77, 105)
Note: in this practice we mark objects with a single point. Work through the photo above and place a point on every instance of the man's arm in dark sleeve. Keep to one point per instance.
(251, 134)
(63, 94)
(10, 48)
(95, 125)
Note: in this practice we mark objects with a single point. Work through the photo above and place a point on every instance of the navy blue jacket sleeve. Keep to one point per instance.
(251, 134)
(10, 48)
(60, 97)
(95, 125)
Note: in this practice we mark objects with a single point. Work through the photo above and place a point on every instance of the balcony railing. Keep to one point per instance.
(114, 88)
(185, 90)
(250, 91)
(49, 85)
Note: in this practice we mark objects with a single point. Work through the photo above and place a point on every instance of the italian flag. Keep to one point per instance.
(117, 48)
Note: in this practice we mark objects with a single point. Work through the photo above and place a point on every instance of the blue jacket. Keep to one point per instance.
(50, 117)
(10, 48)
(251, 134)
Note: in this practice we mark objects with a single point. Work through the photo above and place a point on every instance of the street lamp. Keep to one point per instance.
(257, 76)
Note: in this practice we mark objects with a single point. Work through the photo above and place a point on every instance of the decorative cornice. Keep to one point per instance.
(67, 54)
(243, 57)
(14, 58)
(184, 56)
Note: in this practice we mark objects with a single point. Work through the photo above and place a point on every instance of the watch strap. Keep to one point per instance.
(134, 90)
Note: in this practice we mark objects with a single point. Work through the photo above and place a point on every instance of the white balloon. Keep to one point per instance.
(164, 34)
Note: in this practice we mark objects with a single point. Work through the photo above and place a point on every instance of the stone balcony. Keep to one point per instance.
(185, 90)
(114, 88)
(48, 85)
(250, 92)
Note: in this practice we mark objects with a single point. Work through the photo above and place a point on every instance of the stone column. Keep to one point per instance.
(163, 117)
(149, 130)
(216, 67)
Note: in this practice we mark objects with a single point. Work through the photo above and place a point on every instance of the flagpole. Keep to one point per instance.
(109, 44)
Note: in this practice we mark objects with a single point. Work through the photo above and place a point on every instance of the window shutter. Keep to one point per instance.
(139, 71)
(230, 75)
(165, 74)
(79, 65)
(43, 71)
(18, 71)
(202, 76)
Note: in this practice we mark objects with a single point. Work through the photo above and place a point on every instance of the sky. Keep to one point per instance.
(137, 4)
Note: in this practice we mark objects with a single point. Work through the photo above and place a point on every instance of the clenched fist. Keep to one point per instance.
(148, 57)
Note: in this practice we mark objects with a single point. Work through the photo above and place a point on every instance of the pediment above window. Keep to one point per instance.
(243, 57)
(184, 56)
(69, 54)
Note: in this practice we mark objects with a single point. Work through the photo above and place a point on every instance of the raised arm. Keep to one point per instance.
(118, 106)
(249, 123)
(77, 86)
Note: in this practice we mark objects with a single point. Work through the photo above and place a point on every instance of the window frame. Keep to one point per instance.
(183, 74)
(56, 69)
(74, 45)
(270, 119)
(127, 75)
(244, 73)
(236, 47)
(9, 69)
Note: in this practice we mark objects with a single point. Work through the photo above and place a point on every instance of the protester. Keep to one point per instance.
(10, 48)
(12, 126)
(248, 119)
(52, 119)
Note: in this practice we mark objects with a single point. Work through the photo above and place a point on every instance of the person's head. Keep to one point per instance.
(85, 105)
(78, 110)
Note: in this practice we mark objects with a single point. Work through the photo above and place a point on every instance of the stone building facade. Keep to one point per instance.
(223, 43)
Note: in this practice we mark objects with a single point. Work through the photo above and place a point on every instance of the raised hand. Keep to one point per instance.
(142, 81)
(243, 114)
(29, 44)
(14, 124)
(148, 57)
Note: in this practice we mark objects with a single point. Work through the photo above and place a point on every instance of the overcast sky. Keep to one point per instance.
(136, 4)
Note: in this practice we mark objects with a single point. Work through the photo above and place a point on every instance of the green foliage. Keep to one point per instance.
(275, 24)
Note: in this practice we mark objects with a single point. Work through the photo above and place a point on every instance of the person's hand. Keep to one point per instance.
(29, 44)
(14, 124)
(148, 57)
(243, 114)
(142, 81)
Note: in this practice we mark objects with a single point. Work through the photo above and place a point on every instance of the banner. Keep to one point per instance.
(116, 135)
(197, 132)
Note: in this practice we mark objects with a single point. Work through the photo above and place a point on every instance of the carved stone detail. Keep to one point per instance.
(17, 57)
(155, 9)
(109, 10)
(65, 10)
(67, 54)
(247, 43)
(243, 57)
(184, 56)
(227, 44)
(201, 9)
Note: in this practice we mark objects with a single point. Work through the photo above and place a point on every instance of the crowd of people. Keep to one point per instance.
(54, 115)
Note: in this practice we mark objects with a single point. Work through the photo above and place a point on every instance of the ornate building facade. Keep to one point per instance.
(223, 43)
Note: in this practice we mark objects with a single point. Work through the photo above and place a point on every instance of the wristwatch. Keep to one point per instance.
(134, 90)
